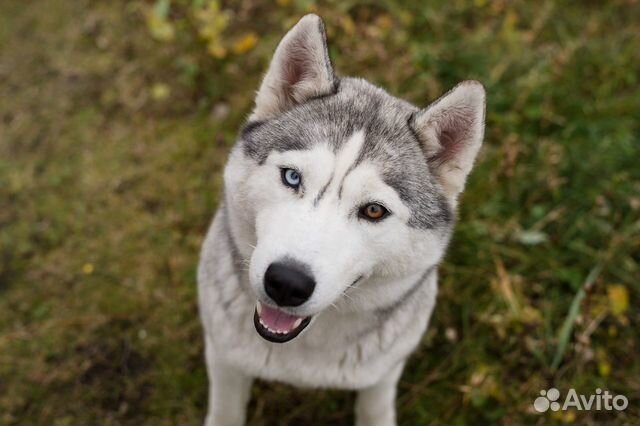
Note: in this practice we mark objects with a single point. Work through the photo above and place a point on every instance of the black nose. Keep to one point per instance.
(288, 283)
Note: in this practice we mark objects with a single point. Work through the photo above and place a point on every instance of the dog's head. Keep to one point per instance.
(342, 195)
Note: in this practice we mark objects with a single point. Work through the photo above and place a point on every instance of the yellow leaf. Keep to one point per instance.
(245, 44)
(384, 23)
(214, 5)
(604, 366)
(160, 91)
(509, 23)
(87, 268)
(618, 298)
(406, 18)
(347, 24)
(160, 28)
(569, 416)
(207, 33)
(216, 50)
(531, 315)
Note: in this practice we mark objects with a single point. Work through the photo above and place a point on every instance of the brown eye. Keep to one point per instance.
(373, 212)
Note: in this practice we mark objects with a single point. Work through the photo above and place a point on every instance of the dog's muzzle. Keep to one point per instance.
(288, 283)
(277, 326)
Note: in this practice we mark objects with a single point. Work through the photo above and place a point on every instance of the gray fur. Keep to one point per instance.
(322, 191)
(387, 311)
(236, 258)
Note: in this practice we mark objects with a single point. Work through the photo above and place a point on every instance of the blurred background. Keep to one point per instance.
(115, 121)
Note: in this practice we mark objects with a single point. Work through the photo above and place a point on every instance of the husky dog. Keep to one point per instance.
(339, 202)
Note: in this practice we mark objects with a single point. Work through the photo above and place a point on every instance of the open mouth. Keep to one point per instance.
(277, 326)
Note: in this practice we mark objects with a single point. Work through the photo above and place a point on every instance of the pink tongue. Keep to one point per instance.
(277, 320)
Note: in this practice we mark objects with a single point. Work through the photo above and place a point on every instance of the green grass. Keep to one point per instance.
(107, 186)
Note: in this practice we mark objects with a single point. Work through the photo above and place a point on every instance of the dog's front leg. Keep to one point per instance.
(229, 391)
(376, 405)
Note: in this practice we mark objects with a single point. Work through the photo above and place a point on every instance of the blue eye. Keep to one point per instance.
(291, 178)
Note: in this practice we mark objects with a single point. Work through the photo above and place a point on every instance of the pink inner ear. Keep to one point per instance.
(453, 134)
(297, 68)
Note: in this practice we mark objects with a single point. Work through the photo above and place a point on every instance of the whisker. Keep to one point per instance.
(349, 300)
(348, 296)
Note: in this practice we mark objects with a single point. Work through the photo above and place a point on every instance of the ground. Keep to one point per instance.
(115, 121)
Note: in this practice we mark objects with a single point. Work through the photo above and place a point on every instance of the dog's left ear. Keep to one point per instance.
(300, 70)
(451, 131)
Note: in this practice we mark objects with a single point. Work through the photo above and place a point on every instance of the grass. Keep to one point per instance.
(111, 151)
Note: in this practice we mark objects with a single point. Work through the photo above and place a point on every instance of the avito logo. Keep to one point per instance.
(549, 399)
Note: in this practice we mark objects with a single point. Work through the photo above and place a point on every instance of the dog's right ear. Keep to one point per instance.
(451, 131)
(300, 70)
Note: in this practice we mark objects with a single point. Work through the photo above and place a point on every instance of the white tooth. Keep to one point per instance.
(259, 308)
(297, 323)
